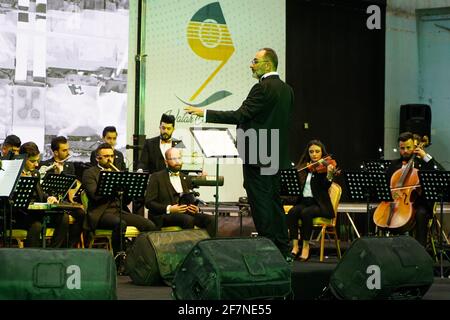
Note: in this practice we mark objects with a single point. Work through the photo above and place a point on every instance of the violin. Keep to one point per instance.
(399, 214)
(321, 166)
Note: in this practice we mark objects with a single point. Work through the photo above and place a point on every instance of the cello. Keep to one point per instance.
(399, 214)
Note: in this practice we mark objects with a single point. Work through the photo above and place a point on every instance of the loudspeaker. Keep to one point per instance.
(416, 118)
(233, 268)
(155, 256)
(62, 274)
(383, 268)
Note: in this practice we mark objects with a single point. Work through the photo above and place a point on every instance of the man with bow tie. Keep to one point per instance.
(152, 157)
(163, 196)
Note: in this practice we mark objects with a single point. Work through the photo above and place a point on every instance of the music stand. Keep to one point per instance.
(376, 165)
(117, 184)
(436, 187)
(58, 185)
(368, 186)
(290, 183)
(9, 176)
(215, 143)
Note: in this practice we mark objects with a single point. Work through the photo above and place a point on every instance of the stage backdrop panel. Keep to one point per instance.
(199, 53)
(63, 71)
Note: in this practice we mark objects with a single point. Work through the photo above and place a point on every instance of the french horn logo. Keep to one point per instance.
(209, 37)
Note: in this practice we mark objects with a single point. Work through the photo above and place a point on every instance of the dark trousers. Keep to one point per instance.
(306, 211)
(111, 220)
(263, 192)
(186, 221)
(423, 214)
(33, 222)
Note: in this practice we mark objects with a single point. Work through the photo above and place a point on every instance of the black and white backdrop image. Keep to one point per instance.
(63, 71)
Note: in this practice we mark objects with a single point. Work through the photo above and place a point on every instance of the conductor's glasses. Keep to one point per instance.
(256, 61)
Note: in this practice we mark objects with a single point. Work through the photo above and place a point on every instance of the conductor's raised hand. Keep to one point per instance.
(194, 110)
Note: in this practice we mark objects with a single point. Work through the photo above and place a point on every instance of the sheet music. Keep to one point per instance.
(215, 142)
(9, 174)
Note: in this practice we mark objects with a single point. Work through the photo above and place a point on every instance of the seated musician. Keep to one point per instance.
(59, 165)
(10, 146)
(422, 161)
(109, 135)
(316, 172)
(163, 195)
(32, 220)
(104, 212)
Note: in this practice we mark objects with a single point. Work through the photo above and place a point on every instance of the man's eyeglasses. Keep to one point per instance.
(174, 159)
(256, 61)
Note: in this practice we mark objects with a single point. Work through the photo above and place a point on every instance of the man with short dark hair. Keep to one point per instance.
(59, 165)
(11, 146)
(104, 212)
(109, 135)
(33, 220)
(422, 161)
(152, 157)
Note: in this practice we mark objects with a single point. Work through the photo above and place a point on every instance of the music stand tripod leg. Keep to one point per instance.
(121, 255)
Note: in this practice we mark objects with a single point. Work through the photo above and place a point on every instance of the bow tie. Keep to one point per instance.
(166, 142)
(174, 174)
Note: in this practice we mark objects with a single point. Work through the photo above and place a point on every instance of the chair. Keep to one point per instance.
(19, 235)
(327, 226)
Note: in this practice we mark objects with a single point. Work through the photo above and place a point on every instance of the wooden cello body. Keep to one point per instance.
(399, 214)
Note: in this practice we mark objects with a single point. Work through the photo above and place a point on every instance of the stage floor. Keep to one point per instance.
(308, 280)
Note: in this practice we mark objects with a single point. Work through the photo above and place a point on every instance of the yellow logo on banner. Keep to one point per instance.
(209, 38)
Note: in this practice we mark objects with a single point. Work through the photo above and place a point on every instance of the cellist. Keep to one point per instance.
(408, 146)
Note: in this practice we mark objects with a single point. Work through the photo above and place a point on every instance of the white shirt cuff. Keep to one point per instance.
(168, 209)
(427, 158)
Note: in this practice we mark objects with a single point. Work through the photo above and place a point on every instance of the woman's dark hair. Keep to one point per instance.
(305, 156)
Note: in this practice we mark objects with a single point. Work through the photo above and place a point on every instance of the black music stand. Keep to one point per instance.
(369, 187)
(58, 185)
(436, 187)
(215, 143)
(132, 185)
(376, 165)
(9, 176)
(21, 197)
(290, 183)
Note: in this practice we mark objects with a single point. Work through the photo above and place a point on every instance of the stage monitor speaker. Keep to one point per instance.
(61, 274)
(416, 118)
(396, 268)
(155, 256)
(233, 268)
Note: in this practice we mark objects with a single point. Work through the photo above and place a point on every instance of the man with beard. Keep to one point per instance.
(109, 136)
(104, 212)
(423, 161)
(152, 157)
(163, 194)
(266, 115)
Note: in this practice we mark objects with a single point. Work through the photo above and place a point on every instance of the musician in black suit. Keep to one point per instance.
(59, 165)
(32, 220)
(152, 157)
(408, 146)
(10, 146)
(264, 114)
(109, 135)
(163, 195)
(104, 212)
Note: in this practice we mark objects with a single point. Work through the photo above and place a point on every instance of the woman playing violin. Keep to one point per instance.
(408, 146)
(316, 170)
